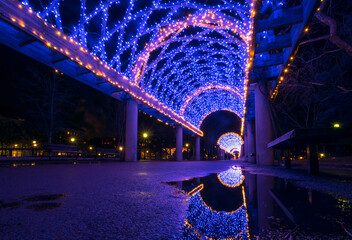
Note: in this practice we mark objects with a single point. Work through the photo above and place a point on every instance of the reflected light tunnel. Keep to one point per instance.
(231, 143)
(191, 57)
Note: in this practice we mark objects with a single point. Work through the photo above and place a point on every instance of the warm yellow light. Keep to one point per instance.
(147, 151)
(306, 29)
(336, 125)
(73, 139)
(90, 148)
(187, 145)
(291, 58)
(34, 141)
(145, 135)
(120, 148)
(322, 154)
(16, 145)
(34, 145)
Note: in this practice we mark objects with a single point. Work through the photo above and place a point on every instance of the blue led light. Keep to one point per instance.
(194, 58)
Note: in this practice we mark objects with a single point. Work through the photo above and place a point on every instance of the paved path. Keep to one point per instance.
(96, 201)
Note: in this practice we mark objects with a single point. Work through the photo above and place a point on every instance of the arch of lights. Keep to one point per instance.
(230, 142)
(192, 57)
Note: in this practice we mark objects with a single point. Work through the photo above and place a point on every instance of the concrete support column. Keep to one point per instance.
(131, 130)
(263, 131)
(179, 143)
(251, 141)
(197, 149)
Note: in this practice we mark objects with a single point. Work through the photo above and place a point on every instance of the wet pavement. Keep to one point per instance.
(163, 200)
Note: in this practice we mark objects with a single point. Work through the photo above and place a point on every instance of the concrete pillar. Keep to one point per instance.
(179, 143)
(251, 141)
(263, 131)
(197, 149)
(131, 130)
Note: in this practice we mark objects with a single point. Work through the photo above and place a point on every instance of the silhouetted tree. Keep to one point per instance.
(47, 97)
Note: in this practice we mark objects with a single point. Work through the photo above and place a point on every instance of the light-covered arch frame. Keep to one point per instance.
(191, 57)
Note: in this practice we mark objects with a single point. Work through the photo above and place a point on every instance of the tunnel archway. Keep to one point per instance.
(215, 125)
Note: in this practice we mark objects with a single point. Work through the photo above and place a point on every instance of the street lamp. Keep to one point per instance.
(187, 149)
(120, 148)
(145, 135)
(72, 139)
(336, 125)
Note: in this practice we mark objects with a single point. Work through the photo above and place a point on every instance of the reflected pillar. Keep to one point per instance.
(179, 143)
(265, 200)
(251, 181)
(131, 130)
(263, 131)
(251, 141)
(197, 149)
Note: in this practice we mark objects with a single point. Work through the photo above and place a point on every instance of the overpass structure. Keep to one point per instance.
(178, 61)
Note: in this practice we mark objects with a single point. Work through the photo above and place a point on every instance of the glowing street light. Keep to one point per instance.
(336, 125)
(145, 135)
(72, 139)
(90, 148)
(34, 142)
(187, 145)
(120, 148)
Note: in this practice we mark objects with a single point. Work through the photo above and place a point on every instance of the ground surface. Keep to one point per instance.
(96, 201)
(113, 200)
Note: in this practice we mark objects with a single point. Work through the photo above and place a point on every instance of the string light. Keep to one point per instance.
(181, 58)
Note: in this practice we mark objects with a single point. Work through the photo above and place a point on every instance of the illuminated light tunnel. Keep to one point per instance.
(191, 57)
(231, 143)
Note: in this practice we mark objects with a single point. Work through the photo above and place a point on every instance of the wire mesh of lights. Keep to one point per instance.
(181, 52)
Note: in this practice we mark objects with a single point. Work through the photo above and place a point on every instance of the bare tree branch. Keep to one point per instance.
(333, 37)
(314, 40)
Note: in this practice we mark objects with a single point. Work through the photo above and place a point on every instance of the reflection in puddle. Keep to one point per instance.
(235, 204)
(217, 207)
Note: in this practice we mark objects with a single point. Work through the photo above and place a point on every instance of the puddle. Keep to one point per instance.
(239, 205)
(10, 204)
(36, 198)
(45, 206)
(44, 197)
